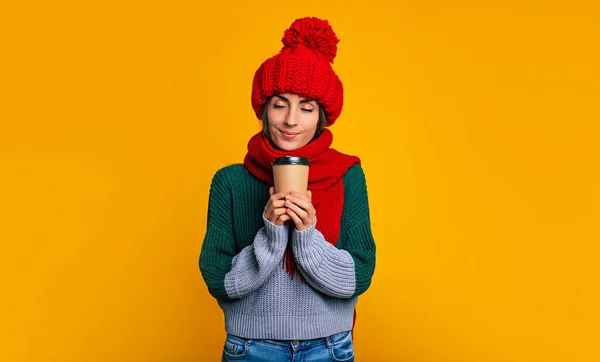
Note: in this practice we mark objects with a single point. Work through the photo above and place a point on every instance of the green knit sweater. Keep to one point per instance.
(242, 252)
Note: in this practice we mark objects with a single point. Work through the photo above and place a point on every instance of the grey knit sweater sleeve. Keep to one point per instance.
(326, 268)
(254, 264)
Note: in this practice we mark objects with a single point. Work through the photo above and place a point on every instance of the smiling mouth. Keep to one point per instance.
(289, 135)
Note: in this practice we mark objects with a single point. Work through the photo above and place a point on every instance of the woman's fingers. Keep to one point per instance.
(275, 204)
(283, 218)
(300, 200)
(279, 195)
(297, 220)
(302, 218)
(297, 210)
(273, 214)
(303, 202)
(294, 206)
(279, 211)
(275, 200)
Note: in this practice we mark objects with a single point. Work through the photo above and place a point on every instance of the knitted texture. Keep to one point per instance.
(242, 249)
(324, 178)
(327, 269)
(303, 67)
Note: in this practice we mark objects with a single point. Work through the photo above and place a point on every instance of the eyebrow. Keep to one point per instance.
(301, 101)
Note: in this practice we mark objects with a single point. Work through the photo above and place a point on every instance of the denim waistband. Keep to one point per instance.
(299, 344)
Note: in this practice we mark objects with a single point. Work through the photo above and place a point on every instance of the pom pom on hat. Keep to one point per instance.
(313, 33)
(303, 67)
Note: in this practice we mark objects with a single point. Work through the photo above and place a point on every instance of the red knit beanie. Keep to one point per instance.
(302, 67)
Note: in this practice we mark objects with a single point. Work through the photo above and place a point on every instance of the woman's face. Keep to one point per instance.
(292, 120)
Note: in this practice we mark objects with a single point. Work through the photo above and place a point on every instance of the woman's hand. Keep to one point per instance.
(275, 210)
(300, 209)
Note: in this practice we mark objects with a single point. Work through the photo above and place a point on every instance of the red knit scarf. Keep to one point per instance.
(324, 180)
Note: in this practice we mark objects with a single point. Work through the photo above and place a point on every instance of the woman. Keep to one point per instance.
(286, 279)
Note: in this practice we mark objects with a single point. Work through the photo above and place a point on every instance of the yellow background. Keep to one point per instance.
(477, 123)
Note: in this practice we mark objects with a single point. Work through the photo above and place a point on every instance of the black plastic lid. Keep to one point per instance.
(291, 160)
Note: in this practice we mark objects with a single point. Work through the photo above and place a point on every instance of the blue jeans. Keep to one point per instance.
(337, 347)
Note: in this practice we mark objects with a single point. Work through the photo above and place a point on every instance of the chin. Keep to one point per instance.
(286, 146)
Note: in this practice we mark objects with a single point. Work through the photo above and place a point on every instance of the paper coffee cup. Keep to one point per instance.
(290, 173)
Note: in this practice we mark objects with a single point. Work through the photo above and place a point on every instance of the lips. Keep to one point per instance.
(289, 135)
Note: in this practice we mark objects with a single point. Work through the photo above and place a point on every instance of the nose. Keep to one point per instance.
(291, 118)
